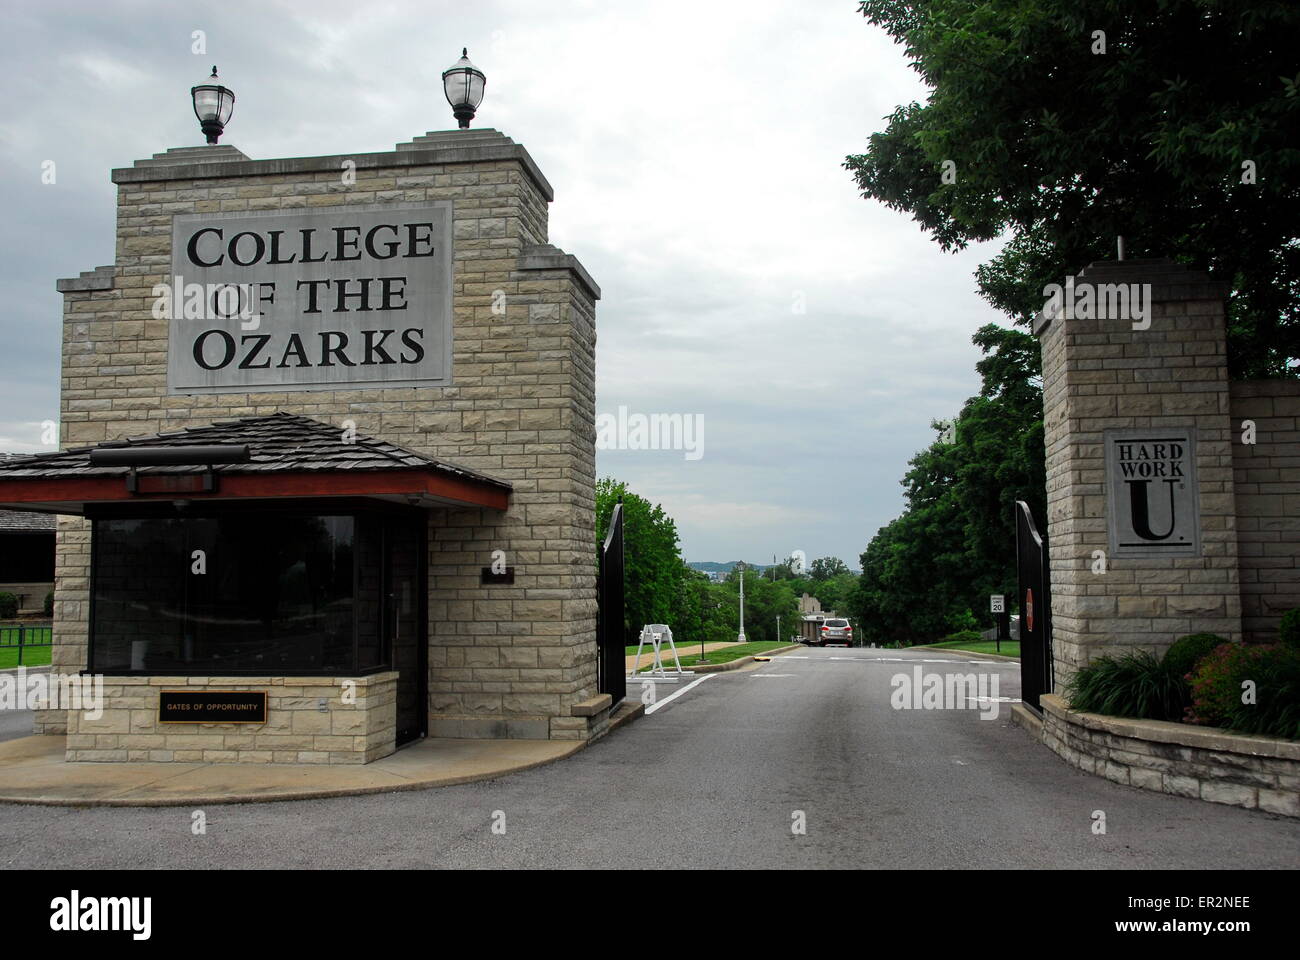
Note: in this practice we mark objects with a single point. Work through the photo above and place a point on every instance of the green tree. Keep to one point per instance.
(824, 568)
(1183, 137)
(835, 593)
(928, 572)
(765, 599)
(653, 567)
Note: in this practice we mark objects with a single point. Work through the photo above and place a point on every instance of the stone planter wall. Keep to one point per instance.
(1180, 759)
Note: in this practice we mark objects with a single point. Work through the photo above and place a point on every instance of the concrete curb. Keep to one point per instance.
(323, 794)
(623, 714)
(966, 653)
(745, 661)
(43, 668)
(1025, 717)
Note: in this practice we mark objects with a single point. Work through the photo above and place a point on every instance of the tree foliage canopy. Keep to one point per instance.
(1065, 147)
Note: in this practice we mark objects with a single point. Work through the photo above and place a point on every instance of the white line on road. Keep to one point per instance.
(675, 694)
(1003, 663)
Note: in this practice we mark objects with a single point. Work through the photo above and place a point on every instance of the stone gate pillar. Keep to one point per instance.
(1141, 521)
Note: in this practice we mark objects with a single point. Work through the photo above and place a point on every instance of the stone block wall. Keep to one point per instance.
(296, 729)
(1102, 374)
(1176, 758)
(1267, 483)
(504, 660)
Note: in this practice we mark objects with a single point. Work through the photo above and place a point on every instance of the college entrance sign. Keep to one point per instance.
(1152, 507)
(344, 297)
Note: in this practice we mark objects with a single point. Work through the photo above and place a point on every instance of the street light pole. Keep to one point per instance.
(740, 638)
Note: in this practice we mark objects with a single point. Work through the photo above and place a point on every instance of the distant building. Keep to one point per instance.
(809, 604)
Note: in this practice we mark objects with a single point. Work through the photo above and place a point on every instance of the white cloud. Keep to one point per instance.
(696, 150)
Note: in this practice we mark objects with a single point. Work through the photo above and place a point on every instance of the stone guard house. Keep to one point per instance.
(384, 558)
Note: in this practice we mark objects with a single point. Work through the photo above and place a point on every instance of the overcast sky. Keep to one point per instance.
(696, 151)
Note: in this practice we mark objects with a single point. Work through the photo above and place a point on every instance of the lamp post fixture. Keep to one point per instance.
(740, 638)
(463, 84)
(213, 105)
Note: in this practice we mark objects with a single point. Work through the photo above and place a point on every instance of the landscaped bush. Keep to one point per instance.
(1216, 683)
(1133, 685)
(1289, 632)
(8, 606)
(1187, 651)
(1274, 707)
(48, 606)
(964, 636)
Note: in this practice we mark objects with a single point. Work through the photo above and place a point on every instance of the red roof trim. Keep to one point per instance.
(270, 485)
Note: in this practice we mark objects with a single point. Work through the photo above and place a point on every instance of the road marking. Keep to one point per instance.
(994, 663)
(676, 693)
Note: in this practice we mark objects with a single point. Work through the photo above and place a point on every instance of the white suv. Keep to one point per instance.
(835, 630)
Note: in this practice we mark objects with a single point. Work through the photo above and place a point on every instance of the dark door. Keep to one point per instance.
(404, 621)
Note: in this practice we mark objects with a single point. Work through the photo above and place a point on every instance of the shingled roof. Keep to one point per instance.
(290, 456)
(24, 521)
(282, 442)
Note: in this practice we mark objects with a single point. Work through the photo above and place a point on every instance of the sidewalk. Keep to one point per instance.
(666, 654)
(32, 770)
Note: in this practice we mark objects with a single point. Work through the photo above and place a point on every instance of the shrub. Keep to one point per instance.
(1187, 651)
(964, 636)
(1216, 682)
(964, 622)
(48, 606)
(1289, 631)
(1275, 671)
(1133, 685)
(8, 606)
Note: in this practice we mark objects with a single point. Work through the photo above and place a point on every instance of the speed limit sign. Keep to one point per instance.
(997, 603)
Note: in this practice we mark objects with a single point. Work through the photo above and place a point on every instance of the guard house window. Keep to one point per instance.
(280, 594)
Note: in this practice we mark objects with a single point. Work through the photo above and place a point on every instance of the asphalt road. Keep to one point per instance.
(716, 779)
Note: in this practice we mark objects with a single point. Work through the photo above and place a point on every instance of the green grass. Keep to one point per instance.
(1010, 648)
(724, 654)
(682, 647)
(32, 657)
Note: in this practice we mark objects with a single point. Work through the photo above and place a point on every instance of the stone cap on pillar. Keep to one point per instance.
(176, 156)
(437, 147)
(546, 256)
(101, 278)
(1170, 281)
